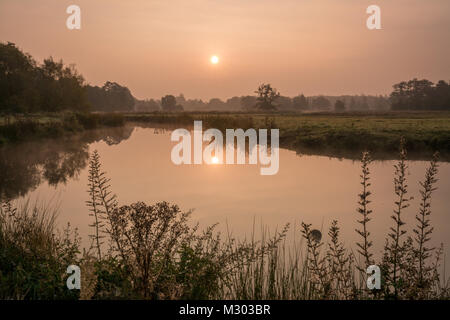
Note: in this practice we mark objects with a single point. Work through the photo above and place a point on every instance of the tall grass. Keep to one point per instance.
(33, 256)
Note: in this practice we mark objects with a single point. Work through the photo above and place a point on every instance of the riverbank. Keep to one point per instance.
(343, 135)
(37, 126)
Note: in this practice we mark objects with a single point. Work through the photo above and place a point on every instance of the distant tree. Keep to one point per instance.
(339, 106)
(146, 106)
(181, 99)
(352, 104)
(234, 103)
(248, 103)
(169, 104)
(110, 97)
(266, 95)
(321, 103)
(421, 95)
(216, 104)
(120, 98)
(381, 104)
(364, 105)
(441, 96)
(284, 103)
(300, 102)
(194, 104)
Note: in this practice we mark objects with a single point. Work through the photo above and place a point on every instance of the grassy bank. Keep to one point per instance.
(343, 135)
(30, 127)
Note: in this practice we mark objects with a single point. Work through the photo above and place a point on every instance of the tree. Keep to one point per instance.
(61, 87)
(381, 103)
(321, 103)
(248, 103)
(339, 106)
(169, 104)
(17, 77)
(146, 106)
(284, 103)
(216, 104)
(26, 86)
(365, 103)
(119, 97)
(420, 95)
(352, 104)
(233, 103)
(266, 97)
(300, 102)
(110, 97)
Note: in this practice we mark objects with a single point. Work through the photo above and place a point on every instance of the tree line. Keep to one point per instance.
(421, 95)
(27, 86)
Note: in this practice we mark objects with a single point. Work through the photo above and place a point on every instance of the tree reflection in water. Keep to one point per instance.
(25, 166)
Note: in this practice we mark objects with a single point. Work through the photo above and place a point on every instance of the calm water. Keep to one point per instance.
(314, 189)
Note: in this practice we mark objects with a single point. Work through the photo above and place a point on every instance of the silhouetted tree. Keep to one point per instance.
(300, 102)
(339, 106)
(216, 104)
(110, 97)
(233, 103)
(169, 104)
(352, 104)
(284, 103)
(321, 103)
(146, 106)
(266, 97)
(26, 86)
(248, 103)
(421, 95)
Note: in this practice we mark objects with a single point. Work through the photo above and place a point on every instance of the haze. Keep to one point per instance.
(158, 47)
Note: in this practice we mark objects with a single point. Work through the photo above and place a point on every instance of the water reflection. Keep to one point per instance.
(25, 166)
(314, 189)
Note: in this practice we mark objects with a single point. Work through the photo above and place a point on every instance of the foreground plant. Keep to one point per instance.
(33, 256)
(156, 253)
(363, 209)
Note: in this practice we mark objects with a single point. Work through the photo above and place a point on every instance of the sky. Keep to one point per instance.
(159, 47)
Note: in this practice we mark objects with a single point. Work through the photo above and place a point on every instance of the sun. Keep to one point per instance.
(214, 59)
(215, 160)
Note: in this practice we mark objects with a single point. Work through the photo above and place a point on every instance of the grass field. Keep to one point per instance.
(344, 135)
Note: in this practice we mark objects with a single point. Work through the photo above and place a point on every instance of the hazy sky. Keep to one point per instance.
(158, 47)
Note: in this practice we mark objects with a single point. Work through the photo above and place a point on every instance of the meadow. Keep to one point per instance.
(333, 134)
